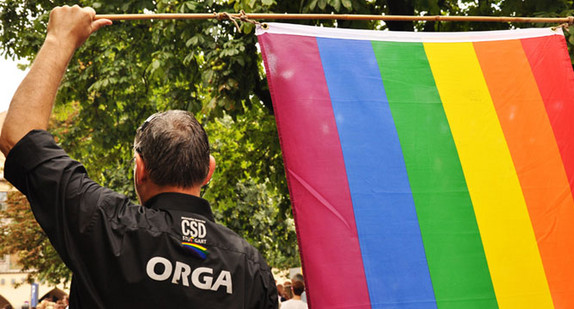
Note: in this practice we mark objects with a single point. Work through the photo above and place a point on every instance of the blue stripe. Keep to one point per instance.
(389, 235)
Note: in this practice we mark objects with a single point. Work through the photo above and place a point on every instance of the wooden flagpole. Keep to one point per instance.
(268, 16)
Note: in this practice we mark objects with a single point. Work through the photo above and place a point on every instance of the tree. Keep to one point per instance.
(249, 179)
(35, 253)
(128, 71)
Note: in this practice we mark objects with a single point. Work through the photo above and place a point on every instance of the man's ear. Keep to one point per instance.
(140, 171)
(211, 170)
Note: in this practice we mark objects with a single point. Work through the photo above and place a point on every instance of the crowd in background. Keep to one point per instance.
(47, 302)
(292, 293)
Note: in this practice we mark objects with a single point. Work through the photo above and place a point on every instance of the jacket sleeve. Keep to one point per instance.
(63, 198)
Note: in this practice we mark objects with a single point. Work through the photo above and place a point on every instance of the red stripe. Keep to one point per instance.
(555, 80)
(554, 226)
(314, 163)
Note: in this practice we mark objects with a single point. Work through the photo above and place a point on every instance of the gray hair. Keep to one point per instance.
(174, 148)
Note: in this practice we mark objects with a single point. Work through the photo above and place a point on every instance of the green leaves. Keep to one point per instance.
(347, 4)
(248, 190)
(334, 6)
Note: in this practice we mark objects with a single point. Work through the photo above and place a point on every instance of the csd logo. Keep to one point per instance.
(193, 228)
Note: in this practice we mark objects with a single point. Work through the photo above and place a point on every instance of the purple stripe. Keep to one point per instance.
(316, 174)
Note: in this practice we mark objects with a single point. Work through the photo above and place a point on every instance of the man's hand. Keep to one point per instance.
(31, 106)
(73, 25)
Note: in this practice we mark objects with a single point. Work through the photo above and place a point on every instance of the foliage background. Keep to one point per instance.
(130, 70)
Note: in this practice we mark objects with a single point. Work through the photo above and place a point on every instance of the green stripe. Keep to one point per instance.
(455, 255)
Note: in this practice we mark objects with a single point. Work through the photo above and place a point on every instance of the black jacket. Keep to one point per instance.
(167, 254)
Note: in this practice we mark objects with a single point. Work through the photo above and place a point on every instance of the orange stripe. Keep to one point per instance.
(537, 160)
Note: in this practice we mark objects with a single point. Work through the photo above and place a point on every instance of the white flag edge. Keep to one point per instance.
(405, 36)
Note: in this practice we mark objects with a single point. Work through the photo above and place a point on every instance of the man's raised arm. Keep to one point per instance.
(31, 106)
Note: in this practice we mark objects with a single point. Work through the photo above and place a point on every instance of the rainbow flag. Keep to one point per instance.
(428, 170)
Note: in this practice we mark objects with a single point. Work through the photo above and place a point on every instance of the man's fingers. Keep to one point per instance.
(90, 11)
(97, 24)
(74, 24)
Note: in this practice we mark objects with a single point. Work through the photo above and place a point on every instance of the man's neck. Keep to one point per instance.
(155, 190)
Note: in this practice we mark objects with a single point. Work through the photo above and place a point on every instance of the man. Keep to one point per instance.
(295, 303)
(168, 253)
(299, 277)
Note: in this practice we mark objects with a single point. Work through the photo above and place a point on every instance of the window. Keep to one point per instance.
(3, 197)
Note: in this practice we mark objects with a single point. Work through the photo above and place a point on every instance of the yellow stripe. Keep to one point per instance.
(509, 243)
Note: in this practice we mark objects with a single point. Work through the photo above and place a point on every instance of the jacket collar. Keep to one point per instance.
(181, 202)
